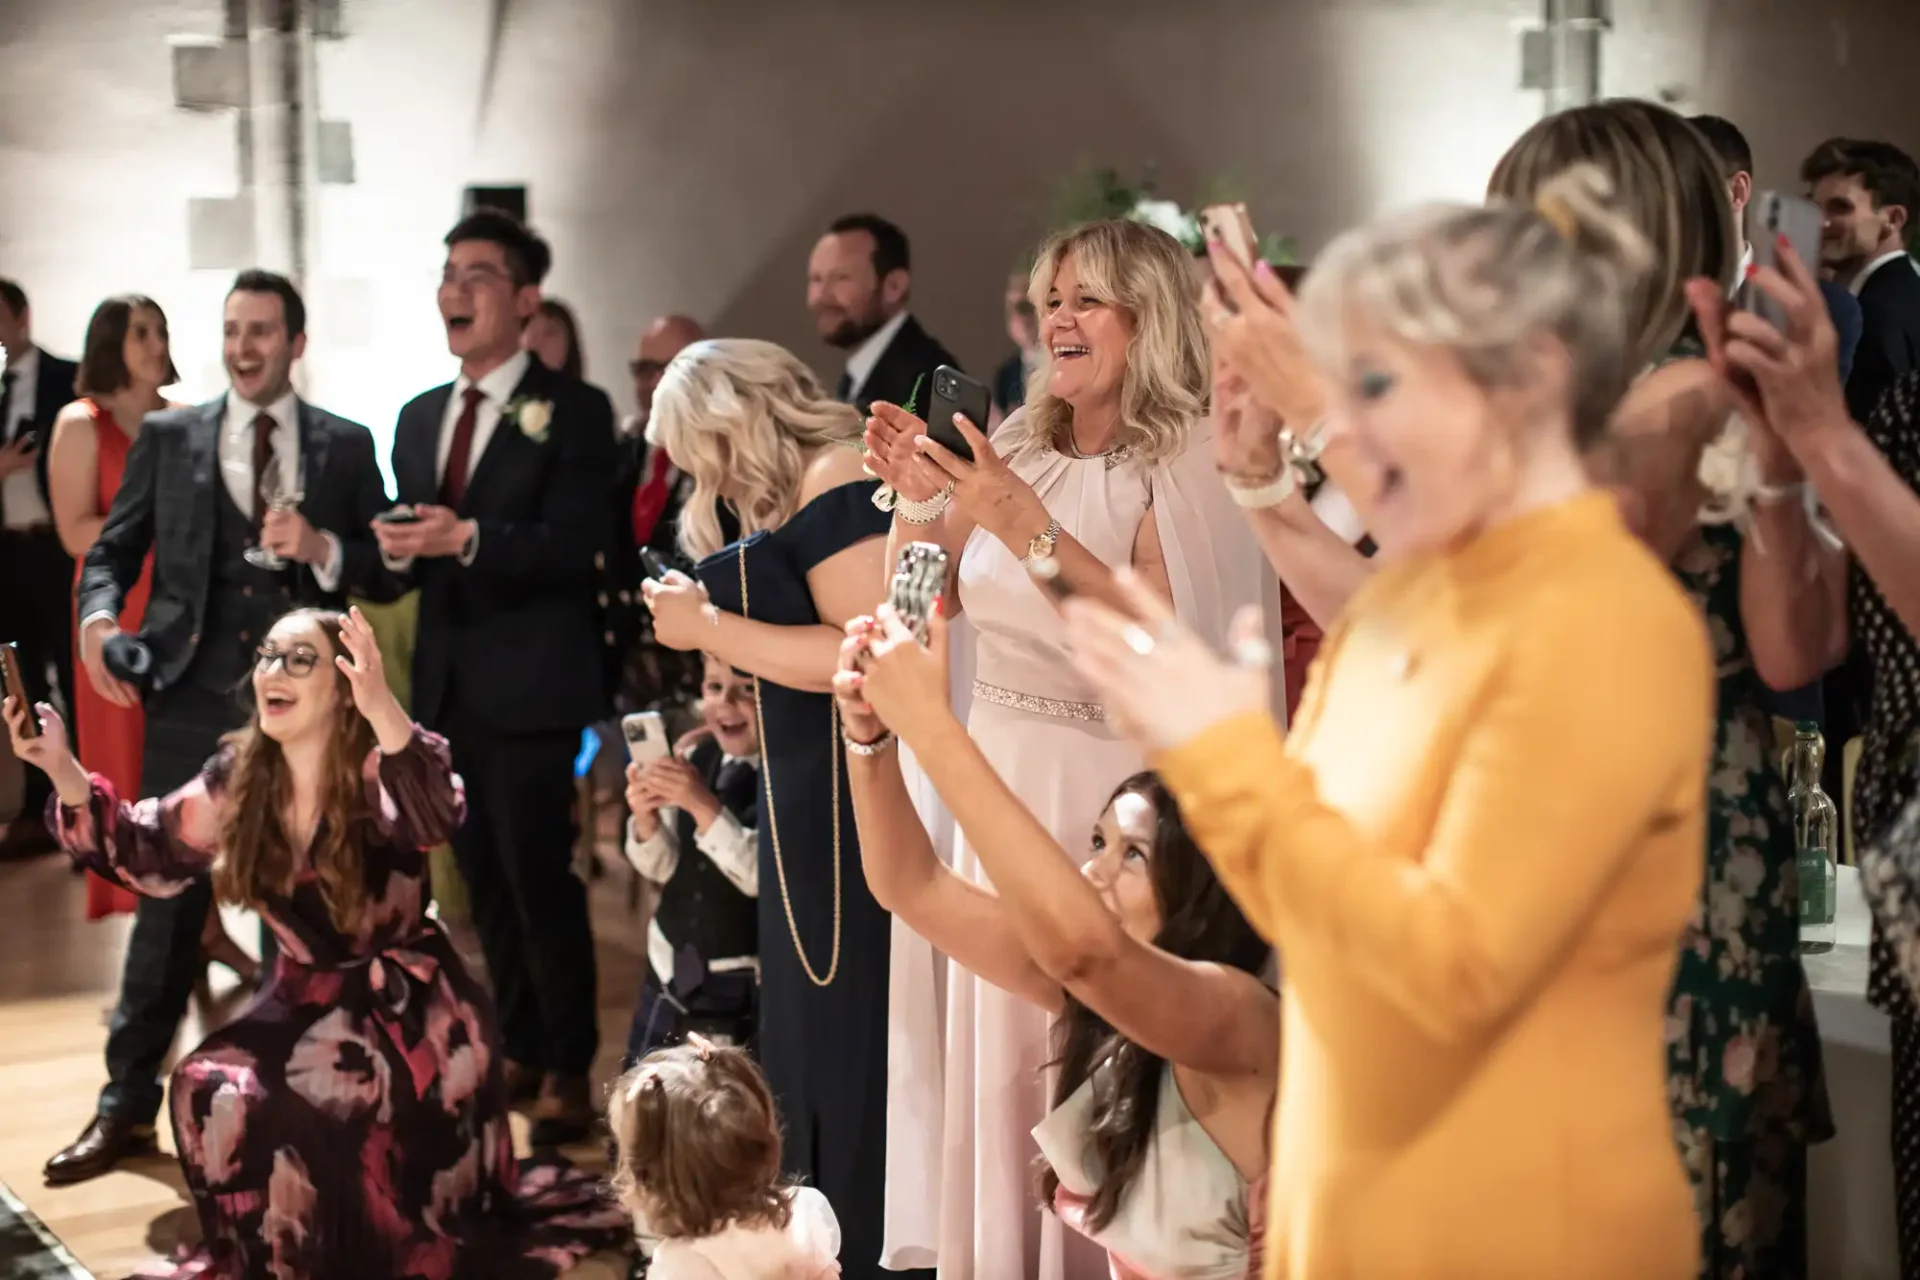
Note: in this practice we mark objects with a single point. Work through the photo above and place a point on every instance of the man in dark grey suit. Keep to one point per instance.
(36, 577)
(198, 492)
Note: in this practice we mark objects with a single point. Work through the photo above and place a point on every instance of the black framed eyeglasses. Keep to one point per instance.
(646, 368)
(299, 660)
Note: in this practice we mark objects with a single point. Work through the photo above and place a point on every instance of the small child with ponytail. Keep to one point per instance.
(699, 1168)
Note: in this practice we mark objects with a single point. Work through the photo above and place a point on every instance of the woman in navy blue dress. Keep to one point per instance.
(752, 426)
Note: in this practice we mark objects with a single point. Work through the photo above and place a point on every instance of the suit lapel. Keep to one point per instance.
(314, 440)
(203, 464)
(506, 437)
(416, 450)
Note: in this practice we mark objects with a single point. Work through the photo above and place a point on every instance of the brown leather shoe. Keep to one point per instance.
(564, 1114)
(523, 1083)
(104, 1143)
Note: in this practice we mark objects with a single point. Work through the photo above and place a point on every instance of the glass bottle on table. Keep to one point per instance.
(1816, 824)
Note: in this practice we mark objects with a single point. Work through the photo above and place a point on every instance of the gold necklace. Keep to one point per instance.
(773, 822)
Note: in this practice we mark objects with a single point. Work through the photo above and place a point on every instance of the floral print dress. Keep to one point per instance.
(1744, 1070)
(353, 1120)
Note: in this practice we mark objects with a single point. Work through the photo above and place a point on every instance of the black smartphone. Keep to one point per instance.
(954, 392)
(654, 564)
(402, 514)
(14, 686)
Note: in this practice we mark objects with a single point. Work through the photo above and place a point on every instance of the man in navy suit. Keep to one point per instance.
(510, 471)
(36, 577)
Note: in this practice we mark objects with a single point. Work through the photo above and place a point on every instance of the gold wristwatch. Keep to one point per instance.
(1042, 545)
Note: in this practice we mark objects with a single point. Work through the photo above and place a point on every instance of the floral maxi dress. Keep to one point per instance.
(353, 1121)
(1744, 1071)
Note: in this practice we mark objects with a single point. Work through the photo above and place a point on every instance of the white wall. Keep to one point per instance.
(683, 155)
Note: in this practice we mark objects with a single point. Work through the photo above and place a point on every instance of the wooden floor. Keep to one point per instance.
(58, 975)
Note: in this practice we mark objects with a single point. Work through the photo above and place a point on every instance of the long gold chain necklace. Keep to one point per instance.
(773, 822)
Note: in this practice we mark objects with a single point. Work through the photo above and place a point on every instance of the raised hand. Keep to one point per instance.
(46, 750)
(366, 674)
(1251, 316)
(1160, 683)
(987, 490)
(857, 717)
(891, 432)
(905, 682)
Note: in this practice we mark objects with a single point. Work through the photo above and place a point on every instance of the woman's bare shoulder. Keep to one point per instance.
(1684, 394)
(829, 469)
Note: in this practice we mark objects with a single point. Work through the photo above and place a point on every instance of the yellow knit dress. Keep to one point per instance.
(1475, 854)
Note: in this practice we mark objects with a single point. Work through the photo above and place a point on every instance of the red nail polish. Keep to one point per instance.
(1786, 242)
(1753, 269)
(937, 602)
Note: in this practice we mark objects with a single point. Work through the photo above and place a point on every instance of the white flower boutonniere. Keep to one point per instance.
(533, 417)
(1729, 474)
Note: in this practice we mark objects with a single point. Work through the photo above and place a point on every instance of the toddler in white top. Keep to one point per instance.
(699, 1169)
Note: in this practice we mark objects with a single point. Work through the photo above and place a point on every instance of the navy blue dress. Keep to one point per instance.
(824, 1048)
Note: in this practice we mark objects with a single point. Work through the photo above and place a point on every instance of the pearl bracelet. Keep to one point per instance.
(925, 511)
(878, 747)
(1271, 493)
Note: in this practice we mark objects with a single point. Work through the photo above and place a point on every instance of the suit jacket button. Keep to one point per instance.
(599, 560)
(194, 639)
(603, 599)
(246, 591)
(610, 639)
(626, 597)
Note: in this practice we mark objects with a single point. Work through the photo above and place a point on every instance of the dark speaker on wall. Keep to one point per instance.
(511, 200)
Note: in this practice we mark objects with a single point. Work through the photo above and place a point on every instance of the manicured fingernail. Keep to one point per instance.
(1753, 269)
(937, 600)
(1786, 242)
(1263, 269)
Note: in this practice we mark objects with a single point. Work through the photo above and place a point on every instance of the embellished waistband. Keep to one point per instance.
(1037, 705)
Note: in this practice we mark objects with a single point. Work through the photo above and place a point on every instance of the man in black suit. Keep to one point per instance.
(36, 576)
(859, 278)
(1869, 193)
(510, 471)
(196, 493)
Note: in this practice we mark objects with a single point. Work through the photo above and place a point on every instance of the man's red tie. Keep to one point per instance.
(453, 481)
(262, 456)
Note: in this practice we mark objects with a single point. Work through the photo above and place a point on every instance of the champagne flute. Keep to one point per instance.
(281, 493)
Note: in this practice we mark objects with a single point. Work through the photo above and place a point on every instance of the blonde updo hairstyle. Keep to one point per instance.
(741, 417)
(1485, 282)
(1666, 180)
(1149, 275)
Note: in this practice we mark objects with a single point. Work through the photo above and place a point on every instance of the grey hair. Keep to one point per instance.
(1486, 281)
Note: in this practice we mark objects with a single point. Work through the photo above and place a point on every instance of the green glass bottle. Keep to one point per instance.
(1816, 822)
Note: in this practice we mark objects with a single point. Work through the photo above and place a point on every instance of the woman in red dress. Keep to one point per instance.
(126, 362)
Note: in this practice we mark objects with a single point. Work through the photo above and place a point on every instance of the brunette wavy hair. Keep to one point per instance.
(258, 858)
(1198, 921)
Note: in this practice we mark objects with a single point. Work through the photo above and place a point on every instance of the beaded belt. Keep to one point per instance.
(1039, 706)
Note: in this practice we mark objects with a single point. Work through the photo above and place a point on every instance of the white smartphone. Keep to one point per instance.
(1771, 216)
(918, 580)
(646, 735)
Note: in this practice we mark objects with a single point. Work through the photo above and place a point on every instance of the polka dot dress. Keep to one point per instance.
(1886, 783)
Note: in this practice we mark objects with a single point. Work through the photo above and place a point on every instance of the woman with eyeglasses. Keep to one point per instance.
(353, 1121)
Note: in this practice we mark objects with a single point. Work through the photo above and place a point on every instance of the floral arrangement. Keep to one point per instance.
(1096, 193)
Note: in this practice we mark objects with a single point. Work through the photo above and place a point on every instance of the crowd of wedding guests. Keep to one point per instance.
(1072, 929)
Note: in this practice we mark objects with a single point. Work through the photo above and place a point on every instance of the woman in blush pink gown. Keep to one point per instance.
(1109, 464)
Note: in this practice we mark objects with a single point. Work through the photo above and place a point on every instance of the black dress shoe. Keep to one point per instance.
(104, 1143)
(564, 1114)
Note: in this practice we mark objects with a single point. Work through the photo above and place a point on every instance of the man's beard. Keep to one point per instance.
(851, 332)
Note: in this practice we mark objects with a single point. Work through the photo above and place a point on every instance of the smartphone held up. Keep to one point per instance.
(1773, 218)
(918, 581)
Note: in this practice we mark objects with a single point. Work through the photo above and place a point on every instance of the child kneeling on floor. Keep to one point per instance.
(698, 1166)
(692, 832)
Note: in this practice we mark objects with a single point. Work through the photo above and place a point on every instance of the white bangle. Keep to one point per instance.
(879, 746)
(926, 510)
(1261, 496)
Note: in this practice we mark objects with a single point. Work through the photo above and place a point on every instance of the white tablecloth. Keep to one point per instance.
(1850, 1179)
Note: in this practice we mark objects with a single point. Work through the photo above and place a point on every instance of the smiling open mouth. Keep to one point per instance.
(1071, 353)
(277, 703)
(459, 324)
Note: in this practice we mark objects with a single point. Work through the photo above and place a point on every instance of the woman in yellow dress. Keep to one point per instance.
(1478, 847)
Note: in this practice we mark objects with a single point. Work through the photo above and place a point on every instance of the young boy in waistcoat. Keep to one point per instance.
(693, 833)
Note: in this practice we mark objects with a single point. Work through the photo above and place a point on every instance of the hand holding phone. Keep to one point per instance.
(918, 581)
(1232, 227)
(402, 514)
(1772, 217)
(646, 735)
(954, 392)
(653, 564)
(13, 685)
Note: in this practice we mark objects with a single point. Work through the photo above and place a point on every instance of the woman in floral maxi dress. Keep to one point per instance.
(353, 1121)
